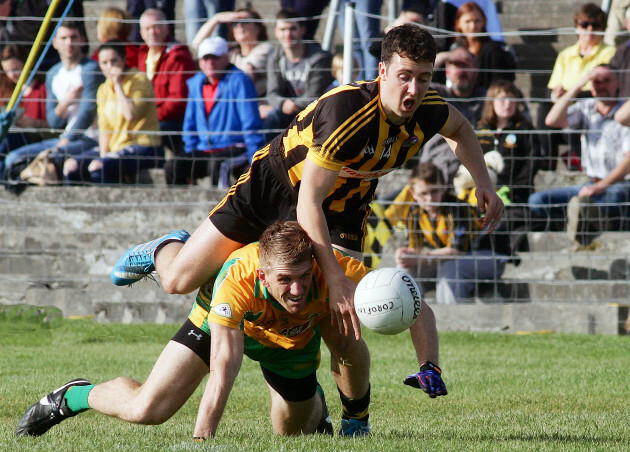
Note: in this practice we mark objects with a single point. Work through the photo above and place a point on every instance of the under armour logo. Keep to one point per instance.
(192, 333)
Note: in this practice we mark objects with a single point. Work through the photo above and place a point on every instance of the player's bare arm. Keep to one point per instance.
(226, 356)
(462, 139)
(317, 183)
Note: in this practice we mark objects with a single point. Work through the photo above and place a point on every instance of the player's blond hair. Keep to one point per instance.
(285, 242)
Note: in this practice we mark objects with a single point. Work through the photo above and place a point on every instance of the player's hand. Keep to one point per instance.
(429, 379)
(342, 311)
(491, 205)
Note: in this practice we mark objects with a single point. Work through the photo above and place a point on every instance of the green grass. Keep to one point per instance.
(506, 392)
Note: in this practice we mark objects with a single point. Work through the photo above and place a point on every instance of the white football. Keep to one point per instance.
(387, 300)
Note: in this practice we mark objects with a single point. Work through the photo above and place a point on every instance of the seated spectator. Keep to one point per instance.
(309, 10)
(598, 204)
(493, 24)
(32, 110)
(462, 92)
(70, 104)
(114, 24)
(127, 122)
(501, 128)
(504, 128)
(167, 64)
(620, 62)
(25, 20)
(445, 242)
(137, 8)
(571, 65)
(252, 49)
(297, 73)
(199, 11)
(221, 122)
(491, 58)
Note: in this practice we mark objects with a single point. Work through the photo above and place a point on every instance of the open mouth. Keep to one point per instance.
(408, 104)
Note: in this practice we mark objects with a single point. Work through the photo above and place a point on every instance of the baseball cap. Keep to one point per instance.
(461, 56)
(215, 45)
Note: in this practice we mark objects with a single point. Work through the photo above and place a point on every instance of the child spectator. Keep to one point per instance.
(445, 241)
(127, 121)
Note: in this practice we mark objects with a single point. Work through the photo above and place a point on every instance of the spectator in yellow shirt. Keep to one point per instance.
(127, 121)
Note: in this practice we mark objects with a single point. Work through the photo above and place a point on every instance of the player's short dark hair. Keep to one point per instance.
(428, 173)
(286, 242)
(409, 41)
(117, 46)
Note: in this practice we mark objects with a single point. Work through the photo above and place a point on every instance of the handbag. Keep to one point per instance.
(41, 171)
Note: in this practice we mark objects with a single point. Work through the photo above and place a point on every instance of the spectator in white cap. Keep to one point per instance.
(221, 122)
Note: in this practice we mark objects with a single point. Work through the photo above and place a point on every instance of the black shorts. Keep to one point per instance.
(291, 389)
(264, 195)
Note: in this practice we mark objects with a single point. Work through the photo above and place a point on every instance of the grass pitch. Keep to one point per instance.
(506, 392)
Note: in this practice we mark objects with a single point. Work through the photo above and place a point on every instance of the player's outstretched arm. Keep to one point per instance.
(226, 356)
(317, 183)
(424, 336)
(462, 139)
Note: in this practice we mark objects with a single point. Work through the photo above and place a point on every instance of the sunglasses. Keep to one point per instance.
(596, 25)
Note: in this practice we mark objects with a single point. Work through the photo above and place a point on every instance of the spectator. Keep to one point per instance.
(598, 204)
(252, 49)
(310, 10)
(463, 92)
(493, 24)
(32, 110)
(617, 21)
(114, 24)
(167, 64)
(491, 58)
(199, 11)
(505, 128)
(221, 121)
(445, 241)
(620, 63)
(127, 121)
(297, 73)
(571, 65)
(25, 20)
(367, 27)
(70, 104)
(337, 70)
(137, 8)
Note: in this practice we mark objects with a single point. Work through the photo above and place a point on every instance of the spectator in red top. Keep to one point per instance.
(168, 64)
(114, 24)
(31, 113)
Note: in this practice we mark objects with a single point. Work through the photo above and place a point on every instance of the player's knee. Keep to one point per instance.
(174, 285)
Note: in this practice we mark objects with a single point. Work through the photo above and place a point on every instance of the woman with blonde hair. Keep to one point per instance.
(114, 24)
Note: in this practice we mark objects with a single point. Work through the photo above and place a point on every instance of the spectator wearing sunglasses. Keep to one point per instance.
(571, 65)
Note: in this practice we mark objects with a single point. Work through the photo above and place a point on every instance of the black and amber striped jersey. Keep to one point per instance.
(455, 226)
(346, 130)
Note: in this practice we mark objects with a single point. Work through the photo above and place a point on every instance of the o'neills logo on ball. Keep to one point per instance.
(417, 299)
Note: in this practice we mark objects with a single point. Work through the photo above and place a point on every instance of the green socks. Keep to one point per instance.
(77, 398)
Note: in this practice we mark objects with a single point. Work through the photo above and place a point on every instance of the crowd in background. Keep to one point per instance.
(203, 107)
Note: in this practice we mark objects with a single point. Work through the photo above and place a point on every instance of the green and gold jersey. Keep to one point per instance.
(239, 300)
(346, 130)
